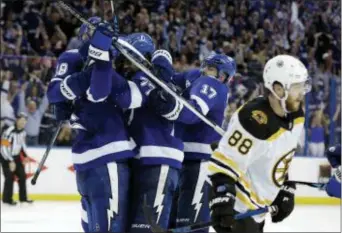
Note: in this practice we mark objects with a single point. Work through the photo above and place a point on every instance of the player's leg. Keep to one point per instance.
(159, 184)
(8, 186)
(85, 215)
(20, 172)
(105, 190)
(247, 225)
(193, 206)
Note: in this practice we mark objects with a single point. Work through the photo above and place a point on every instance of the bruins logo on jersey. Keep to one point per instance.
(281, 168)
(260, 117)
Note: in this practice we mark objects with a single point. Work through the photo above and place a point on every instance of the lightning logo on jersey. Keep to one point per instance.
(158, 202)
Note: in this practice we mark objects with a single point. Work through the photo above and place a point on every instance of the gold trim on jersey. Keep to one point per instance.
(227, 161)
(280, 131)
(246, 190)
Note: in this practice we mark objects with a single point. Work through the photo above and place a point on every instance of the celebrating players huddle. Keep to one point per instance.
(136, 144)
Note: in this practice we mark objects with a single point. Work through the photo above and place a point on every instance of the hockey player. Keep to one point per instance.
(205, 89)
(333, 187)
(102, 146)
(160, 154)
(249, 168)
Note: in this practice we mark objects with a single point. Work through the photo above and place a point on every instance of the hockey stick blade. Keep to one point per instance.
(149, 217)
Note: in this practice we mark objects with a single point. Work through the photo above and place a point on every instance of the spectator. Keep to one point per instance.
(7, 111)
(34, 115)
(316, 133)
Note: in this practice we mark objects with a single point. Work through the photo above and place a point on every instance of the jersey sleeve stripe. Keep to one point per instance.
(214, 169)
(65, 89)
(201, 103)
(227, 162)
(299, 120)
(225, 167)
(136, 96)
(90, 97)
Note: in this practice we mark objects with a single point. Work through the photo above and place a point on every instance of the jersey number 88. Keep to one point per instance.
(244, 146)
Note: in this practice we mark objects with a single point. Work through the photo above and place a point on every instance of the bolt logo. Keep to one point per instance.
(281, 168)
(30, 166)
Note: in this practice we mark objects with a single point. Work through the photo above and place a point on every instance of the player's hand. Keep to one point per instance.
(284, 201)
(12, 166)
(101, 42)
(162, 64)
(221, 204)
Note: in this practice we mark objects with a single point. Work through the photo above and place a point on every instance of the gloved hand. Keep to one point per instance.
(162, 65)
(63, 111)
(284, 202)
(222, 200)
(101, 42)
(334, 155)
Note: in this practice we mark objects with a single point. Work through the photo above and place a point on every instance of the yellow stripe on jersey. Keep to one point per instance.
(276, 134)
(227, 161)
(215, 168)
(280, 131)
(299, 120)
(245, 200)
(254, 197)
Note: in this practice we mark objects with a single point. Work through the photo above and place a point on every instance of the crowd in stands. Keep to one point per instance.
(34, 33)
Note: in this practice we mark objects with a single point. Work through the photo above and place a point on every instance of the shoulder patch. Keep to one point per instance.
(260, 117)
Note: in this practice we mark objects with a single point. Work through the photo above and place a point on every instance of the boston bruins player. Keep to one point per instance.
(249, 168)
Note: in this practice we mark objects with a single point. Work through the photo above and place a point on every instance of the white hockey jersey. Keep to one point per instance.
(256, 151)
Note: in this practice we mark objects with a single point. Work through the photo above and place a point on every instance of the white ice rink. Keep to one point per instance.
(65, 217)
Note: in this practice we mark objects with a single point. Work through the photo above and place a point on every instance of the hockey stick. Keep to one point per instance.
(143, 64)
(42, 161)
(198, 226)
(314, 185)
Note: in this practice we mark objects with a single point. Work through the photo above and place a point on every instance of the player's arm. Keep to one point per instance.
(68, 82)
(134, 93)
(204, 95)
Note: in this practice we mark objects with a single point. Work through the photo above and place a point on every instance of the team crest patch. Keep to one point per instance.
(260, 117)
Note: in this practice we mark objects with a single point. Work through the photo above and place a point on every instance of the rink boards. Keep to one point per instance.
(57, 180)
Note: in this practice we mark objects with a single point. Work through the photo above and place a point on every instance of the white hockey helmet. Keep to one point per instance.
(286, 70)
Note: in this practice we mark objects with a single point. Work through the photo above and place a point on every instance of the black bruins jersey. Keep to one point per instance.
(256, 151)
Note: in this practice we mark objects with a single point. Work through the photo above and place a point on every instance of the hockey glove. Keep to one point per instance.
(162, 64)
(221, 204)
(101, 42)
(333, 187)
(284, 201)
(334, 155)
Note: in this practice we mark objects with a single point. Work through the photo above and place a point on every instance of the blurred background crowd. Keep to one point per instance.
(34, 33)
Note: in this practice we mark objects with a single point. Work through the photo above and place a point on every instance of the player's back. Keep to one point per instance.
(211, 98)
(153, 134)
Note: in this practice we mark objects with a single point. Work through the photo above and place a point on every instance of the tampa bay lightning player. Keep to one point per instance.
(207, 91)
(333, 188)
(159, 152)
(102, 147)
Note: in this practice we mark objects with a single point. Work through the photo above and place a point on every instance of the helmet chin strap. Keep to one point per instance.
(282, 100)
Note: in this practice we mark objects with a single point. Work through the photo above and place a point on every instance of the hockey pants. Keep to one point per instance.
(104, 192)
(191, 204)
(158, 183)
